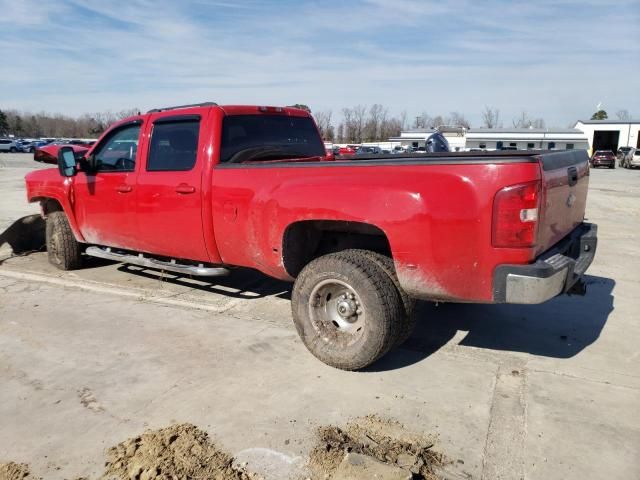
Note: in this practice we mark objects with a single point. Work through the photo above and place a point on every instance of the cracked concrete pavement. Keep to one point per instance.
(91, 357)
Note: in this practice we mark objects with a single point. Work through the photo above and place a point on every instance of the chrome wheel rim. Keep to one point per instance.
(337, 312)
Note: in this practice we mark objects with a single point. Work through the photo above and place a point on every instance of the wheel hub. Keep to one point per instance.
(336, 311)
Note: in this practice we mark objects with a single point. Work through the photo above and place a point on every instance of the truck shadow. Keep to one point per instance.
(25, 235)
(559, 328)
(242, 283)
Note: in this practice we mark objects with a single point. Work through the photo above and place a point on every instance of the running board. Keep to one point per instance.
(171, 266)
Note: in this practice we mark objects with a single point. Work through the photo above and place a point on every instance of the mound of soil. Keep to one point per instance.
(179, 451)
(13, 471)
(385, 440)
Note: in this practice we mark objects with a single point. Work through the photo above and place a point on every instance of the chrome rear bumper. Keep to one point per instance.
(555, 272)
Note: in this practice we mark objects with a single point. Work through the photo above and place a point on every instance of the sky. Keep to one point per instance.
(553, 59)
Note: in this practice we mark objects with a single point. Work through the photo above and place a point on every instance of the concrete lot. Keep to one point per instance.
(92, 357)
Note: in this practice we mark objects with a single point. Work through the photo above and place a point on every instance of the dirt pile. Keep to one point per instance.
(179, 451)
(13, 471)
(385, 440)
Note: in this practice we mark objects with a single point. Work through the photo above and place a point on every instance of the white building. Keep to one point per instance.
(461, 139)
(525, 139)
(417, 137)
(610, 134)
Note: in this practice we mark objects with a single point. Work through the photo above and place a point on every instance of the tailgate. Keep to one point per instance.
(565, 181)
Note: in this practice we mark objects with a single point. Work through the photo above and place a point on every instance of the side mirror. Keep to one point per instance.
(67, 162)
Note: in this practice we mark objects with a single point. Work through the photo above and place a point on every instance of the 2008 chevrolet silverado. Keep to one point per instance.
(199, 189)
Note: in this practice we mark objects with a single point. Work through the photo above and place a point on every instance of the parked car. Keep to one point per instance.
(368, 151)
(26, 146)
(624, 153)
(8, 145)
(346, 151)
(634, 161)
(360, 239)
(49, 153)
(603, 158)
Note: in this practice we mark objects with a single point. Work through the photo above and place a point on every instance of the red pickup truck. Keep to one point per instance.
(203, 188)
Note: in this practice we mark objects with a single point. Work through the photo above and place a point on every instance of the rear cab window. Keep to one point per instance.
(268, 137)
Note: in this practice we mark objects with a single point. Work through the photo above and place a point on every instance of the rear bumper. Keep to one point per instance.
(634, 162)
(554, 272)
(603, 163)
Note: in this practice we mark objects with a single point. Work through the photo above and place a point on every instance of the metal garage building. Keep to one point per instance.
(525, 139)
(610, 134)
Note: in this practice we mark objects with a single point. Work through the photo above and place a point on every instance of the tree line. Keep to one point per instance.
(37, 125)
(361, 123)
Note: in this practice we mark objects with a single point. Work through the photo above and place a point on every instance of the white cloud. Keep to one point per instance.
(89, 55)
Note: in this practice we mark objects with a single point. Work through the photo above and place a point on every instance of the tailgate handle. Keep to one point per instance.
(573, 176)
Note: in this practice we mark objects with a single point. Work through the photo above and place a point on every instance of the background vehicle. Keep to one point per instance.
(8, 145)
(196, 190)
(624, 153)
(368, 151)
(346, 151)
(26, 146)
(603, 158)
(48, 153)
(634, 161)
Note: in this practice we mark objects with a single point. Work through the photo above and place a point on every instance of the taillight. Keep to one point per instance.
(515, 215)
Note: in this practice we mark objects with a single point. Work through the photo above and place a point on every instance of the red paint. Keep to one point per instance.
(437, 218)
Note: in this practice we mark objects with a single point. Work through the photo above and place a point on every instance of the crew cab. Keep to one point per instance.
(201, 189)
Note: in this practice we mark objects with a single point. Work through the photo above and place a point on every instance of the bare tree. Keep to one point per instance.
(359, 115)
(623, 115)
(491, 117)
(373, 123)
(458, 120)
(348, 132)
(323, 120)
(403, 120)
(340, 137)
(525, 121)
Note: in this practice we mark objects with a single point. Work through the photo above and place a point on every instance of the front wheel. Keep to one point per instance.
(63, 250)
(13, 149)
(346, 310)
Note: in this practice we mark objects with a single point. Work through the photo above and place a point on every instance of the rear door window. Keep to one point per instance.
(174, 145)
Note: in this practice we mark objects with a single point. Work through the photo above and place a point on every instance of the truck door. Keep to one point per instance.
(105, 199)
(169, 187)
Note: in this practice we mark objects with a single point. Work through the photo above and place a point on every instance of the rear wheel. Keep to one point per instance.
(13, 149)
(63, 250)
(408, 303)
(347, 310)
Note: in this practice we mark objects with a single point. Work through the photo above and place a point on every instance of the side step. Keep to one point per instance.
(171, 266)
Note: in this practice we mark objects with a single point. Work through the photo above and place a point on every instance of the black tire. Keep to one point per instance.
(13, 149)
(346, 342)
(386, 263)
(63, 250)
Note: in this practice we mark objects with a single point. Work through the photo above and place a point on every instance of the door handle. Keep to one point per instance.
(184, 188)
(124, 188)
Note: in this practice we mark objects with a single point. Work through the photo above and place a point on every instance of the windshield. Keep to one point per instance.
(269, 137)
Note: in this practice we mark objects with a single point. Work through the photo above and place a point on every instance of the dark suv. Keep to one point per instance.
(603, 158)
